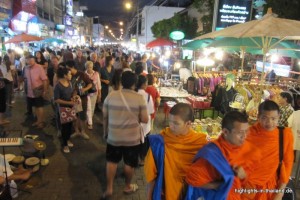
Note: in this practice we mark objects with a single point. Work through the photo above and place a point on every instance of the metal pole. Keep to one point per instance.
(137, 26)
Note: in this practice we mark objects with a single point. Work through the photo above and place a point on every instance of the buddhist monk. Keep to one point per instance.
(265, 136)
(224, 164)
(171, 153)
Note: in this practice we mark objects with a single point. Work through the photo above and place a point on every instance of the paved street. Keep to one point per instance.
(75, 176)
(78, 175)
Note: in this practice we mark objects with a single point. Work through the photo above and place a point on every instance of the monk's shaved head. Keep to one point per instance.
(267, 105)
(231, 117)
(183, 110)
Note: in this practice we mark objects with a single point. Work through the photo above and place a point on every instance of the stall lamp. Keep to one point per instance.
(205, 62)
(177, 65)
(219, 55)
(298, 62)
(274, 58)
(161, 60)
(148, 55)
(168, 53)
(19, 50)
(153, 55)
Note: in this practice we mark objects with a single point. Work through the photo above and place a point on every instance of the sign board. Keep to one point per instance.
(280, 70)
(69, 7)
(177, 35)
(68, 20)
(231, 12)
(60, 27)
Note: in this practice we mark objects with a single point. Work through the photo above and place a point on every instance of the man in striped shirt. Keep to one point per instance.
(123, 111)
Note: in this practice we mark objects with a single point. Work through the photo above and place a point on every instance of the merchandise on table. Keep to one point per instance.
(209, 126)
(172, 92)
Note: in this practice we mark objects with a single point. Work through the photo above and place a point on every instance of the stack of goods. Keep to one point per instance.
(172, 92)
(209, 126)
(199, 102)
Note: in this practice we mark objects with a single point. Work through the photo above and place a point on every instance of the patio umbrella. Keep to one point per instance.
(197, 44)
(54, 40)
(255, 45)
(159, 42)
(267, 28)
(23, 38)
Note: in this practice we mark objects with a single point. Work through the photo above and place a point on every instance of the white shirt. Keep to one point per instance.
(150, 109)
(295, 125)
(7, 74)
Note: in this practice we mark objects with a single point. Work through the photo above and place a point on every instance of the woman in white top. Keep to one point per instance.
(8, 72)
(141, 86)
(92, 97)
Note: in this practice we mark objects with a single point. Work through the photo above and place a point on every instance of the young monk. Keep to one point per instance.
(171, 153)
(265, 136)
(224, 164)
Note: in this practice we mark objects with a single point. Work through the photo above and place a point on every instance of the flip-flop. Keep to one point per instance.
(133, 188)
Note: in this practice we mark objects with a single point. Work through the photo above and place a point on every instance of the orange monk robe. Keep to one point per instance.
(179, 153)
(265, 175)
(202, 172)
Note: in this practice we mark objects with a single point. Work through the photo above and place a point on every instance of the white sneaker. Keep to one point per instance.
(66, 149)
(85, 136)
(70, 144)
(75, 134)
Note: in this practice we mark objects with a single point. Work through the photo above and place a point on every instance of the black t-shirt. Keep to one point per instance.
(81, 78)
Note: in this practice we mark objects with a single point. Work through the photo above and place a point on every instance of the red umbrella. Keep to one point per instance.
(23, 38)
(160, 42)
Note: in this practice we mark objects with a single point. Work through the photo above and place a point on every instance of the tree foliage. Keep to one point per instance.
(288, 9)
(206, 8)
(184, 23)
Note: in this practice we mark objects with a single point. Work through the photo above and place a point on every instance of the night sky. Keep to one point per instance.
(114, 10)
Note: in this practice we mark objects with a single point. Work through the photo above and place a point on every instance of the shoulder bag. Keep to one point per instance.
(289, 191)
(133, 115)
(67, 114)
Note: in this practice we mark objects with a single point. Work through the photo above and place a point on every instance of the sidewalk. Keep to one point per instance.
(78, 175)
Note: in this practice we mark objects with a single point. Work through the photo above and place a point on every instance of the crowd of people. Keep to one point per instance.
(179, 163)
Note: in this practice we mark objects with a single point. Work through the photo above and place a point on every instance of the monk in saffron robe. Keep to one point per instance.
(265, 136)
(179, 144)
(242, 156)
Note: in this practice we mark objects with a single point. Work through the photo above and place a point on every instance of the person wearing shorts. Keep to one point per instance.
(36, 78)
(123, 111)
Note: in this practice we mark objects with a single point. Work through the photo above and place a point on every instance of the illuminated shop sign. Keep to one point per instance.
(19, 26)
(231, 12)
(69, 7)
(280, 70)
(68, 20)
(34, 28)
(60, 27)
(177, 35)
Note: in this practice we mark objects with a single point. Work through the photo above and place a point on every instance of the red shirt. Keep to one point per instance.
(155, 95)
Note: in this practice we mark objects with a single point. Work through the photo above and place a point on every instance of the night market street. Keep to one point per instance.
(78, 175)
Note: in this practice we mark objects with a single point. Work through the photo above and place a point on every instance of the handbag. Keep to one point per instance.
(38, 91)
(289, 191)
(142, 135)
(67, 114)
(93, 89)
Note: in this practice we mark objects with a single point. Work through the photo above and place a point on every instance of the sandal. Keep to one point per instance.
(133, 188)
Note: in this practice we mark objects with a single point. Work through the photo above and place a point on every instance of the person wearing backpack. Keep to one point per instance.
(270, 175)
